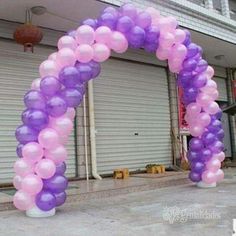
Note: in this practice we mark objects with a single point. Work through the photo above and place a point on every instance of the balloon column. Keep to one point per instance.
(48, 117)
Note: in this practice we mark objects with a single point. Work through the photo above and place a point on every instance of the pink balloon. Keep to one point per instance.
(155, 14)
(118, 42)
(210, 86)
(23, 200)
(180, 36)
(166, 40)
(62, 125)
(84, 53)
(175, 65)
(213, 165)
(65, 57)
(214, 94)
(70, 113)
(32, 184)
(101, 52)
(85, 35)
(45, 169)
(167, 24)
(36, 84)
(203, 119)
(63, 139)
(103, 34)
(196, 130)
(22, 167)
(58, 154)
(163, 53)
(47, 68)
(208, 177)
(210, 71)
(193, 108)
(212, 108)
(52, 56)
(48, 138)
(17, 181)
(204, 99)
(32, 152)
(178, 51)
(67, 42)
(219, 175)
(220, 156)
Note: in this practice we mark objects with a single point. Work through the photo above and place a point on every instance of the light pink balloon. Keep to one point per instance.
(101, 52)
(32, 152)
(84, 53)
(204, 99)
(36, 84)
(22, 167)
(63, 139)
(180, 36)
(118, 42)
(85, 35)
(23, 200)
(219, 175)
(214, 94)
(167, 24)
(175, 65)
(103, 35)
(47, 68)
(32, 184)
(210, 86)
(70, 113)
(166, 40)
(193, 108)
(65, 57)
(212, 108)
(196, 130)
(203, 119)
(58, 154)
(62, 125)
(45, 169)
(155, 14)
(220, 156)
(163, 53)
(52, 56)
(67, 42)
(213, 165)
(210, 71)
(178, 51)
(17, 181)
(48, 138)
(208, 177)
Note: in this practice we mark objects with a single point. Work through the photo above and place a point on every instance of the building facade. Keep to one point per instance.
(133, 103)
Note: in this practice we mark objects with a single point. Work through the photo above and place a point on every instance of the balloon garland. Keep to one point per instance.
(48, 118)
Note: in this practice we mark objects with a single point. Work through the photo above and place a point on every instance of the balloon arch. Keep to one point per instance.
(48, 118)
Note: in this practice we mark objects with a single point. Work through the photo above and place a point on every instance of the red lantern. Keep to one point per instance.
(234, 88)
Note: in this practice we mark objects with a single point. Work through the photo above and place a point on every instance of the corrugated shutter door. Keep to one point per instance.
(17, 70)
(221, 85)
(132, 116)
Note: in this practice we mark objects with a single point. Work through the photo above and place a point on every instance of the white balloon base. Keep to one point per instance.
(35, 212)
(204, 185)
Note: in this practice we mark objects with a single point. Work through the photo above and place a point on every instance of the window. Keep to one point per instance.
(217, 6)
(198, 2)
(232, 8)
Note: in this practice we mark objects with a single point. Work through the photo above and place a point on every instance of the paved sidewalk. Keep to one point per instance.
(181, 211)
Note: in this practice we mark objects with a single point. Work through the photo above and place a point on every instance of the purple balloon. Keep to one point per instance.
(217, 116)
(195, 144)
(195, 177)
(187, 40)
(35, 100)
(72, 97)
(69, 76)
(91, 22)
(185, 79)
(220, 134)
(60, 198)
(197, 167)
(129, 9)
(189, 64)
(19, 150)
(50, 85)
(85, 71)
(24, 134)
(124, 24)
(214, 126)
(192, 50)
(136, 37)
(81, 88)
(56, 106)
(152, 34)
(201, 66)
(96, 68)
(36, 119)
(45, 200)
(206, 154)
(56, 184)
(60, 168)
(217, 147)
(107, 19)
(190, 95)
(208, 138)
(199, 81)
(193, 156)
(111, 10)
(72, 33)
(151, 47)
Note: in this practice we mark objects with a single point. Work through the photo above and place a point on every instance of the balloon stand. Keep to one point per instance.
(205, 185)
(35, 212)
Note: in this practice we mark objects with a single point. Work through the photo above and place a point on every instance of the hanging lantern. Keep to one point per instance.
(28, 35)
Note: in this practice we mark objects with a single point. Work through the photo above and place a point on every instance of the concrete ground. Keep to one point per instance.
(180, 210)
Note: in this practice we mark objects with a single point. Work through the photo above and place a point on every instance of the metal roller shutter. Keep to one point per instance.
(17, 70)
(221, 85)
(132, 116)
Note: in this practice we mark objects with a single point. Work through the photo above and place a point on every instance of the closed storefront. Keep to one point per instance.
(17, 70)
(132, 116)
